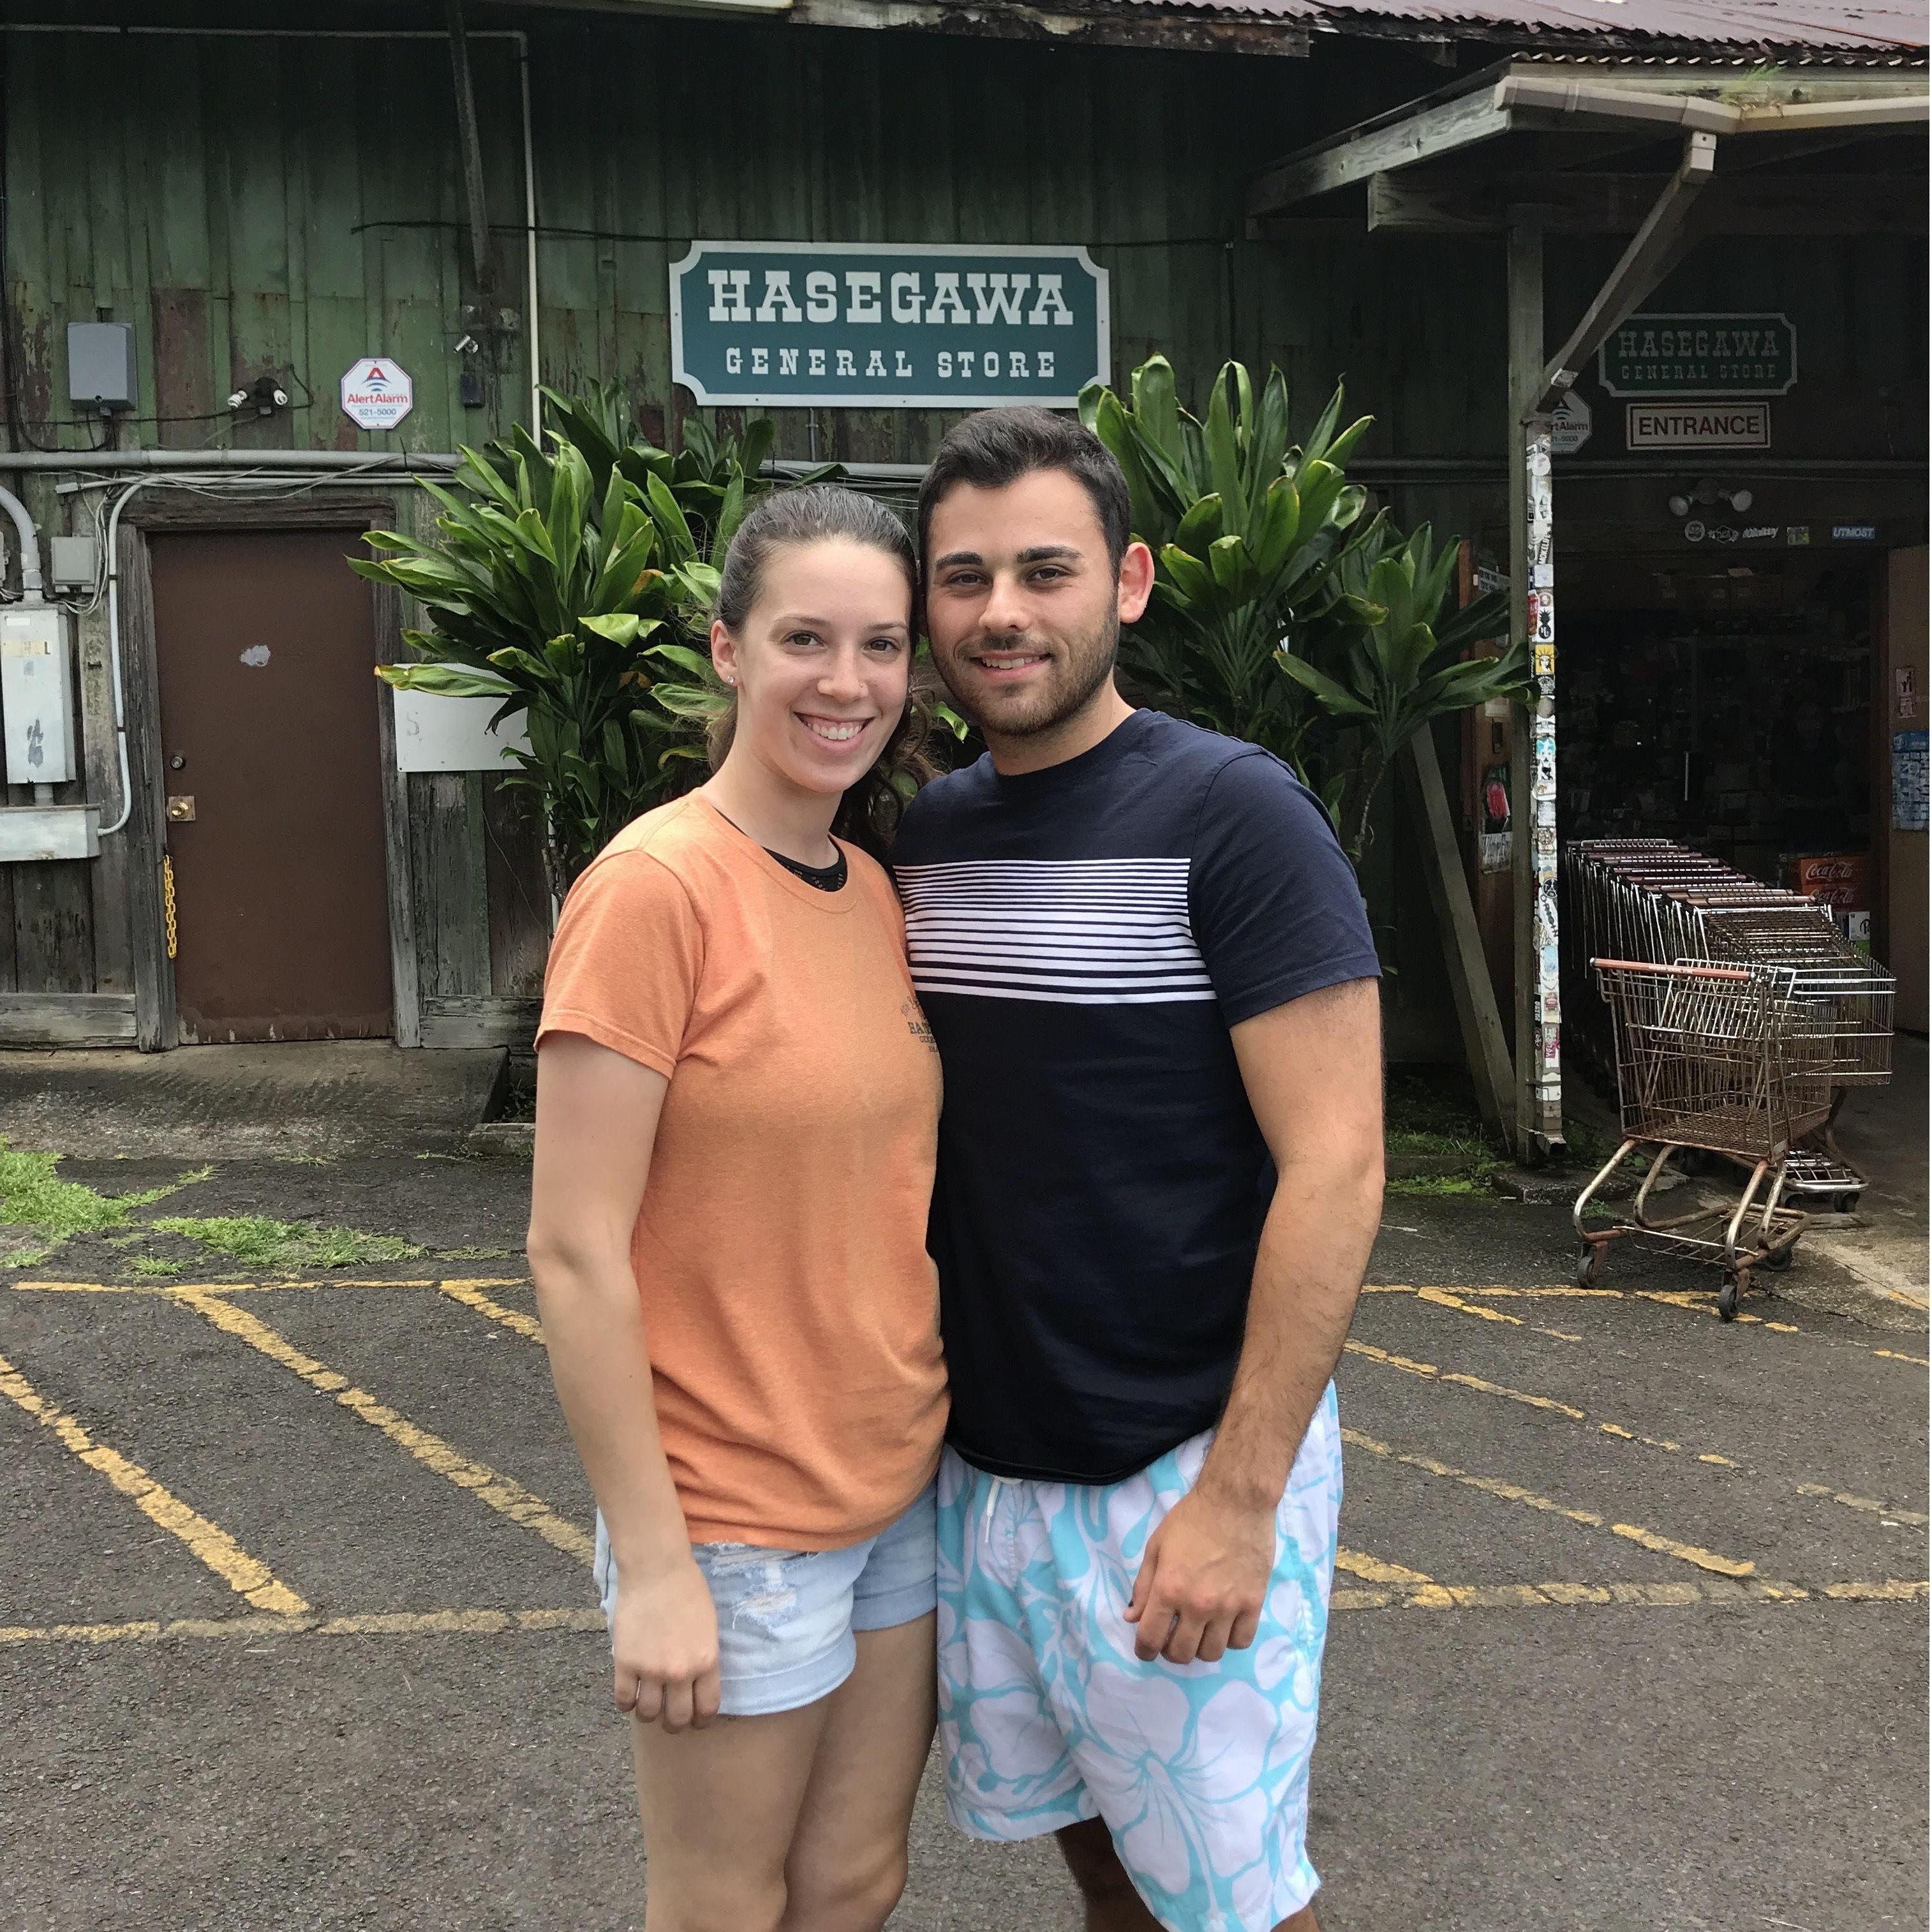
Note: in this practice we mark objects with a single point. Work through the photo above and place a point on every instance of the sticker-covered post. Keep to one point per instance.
(1539, 1016)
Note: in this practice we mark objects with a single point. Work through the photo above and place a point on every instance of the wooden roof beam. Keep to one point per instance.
(1653, 250)
(1521, 100)
(1616, 204)
(1450, 127)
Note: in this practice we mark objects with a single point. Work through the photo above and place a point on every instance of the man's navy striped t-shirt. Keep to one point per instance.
(1082, 938)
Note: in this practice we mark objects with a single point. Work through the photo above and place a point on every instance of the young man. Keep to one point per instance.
(1145, 958)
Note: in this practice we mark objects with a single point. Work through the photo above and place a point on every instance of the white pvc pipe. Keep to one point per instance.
(114, 650)
(30, 546)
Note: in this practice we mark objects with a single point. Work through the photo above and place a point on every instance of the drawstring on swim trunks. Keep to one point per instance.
(994, 1486)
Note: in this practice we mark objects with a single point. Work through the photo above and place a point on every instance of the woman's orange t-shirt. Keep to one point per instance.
(790, 1309)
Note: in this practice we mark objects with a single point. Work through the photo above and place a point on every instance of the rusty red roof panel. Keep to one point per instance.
(1869, 26)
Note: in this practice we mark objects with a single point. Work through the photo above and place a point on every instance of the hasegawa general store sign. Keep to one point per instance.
(906, 327)
(1701, 355)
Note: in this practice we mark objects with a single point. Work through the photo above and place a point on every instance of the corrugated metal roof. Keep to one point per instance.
(1853, 27)
(1872, 24)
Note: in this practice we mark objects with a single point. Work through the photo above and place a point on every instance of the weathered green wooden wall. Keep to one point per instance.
(252, 203)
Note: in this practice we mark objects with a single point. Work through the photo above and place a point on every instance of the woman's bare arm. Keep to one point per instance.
(597, 1120)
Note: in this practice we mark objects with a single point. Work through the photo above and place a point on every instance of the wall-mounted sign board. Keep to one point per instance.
(1697, 425)
(377, 392)
(908, 326)
(1705, 355)
(435, 733)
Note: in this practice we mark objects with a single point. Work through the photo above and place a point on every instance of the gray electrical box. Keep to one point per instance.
(37, 695)
(100, 364)
(74, 562)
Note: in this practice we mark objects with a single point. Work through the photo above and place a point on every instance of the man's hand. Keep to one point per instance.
(1203, 1580)
(664, 1643)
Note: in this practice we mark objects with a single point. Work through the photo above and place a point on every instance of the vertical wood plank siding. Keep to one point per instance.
(256, 205)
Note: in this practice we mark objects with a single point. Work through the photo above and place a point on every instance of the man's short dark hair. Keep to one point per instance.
(995, 447)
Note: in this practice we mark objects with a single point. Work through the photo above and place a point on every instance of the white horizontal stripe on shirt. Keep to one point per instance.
(1087, 932)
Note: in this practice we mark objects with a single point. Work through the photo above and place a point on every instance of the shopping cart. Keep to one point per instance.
(1647, 899)
(1729, 1059)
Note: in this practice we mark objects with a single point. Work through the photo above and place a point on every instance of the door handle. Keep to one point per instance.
(181, 808)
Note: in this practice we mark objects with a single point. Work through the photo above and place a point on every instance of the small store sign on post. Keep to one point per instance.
(1707, 355)
(911, 326)
(377, 393)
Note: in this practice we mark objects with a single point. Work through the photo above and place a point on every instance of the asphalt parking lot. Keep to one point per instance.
(296, 1628)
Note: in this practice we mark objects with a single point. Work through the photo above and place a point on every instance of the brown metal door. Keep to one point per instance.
(266, 643)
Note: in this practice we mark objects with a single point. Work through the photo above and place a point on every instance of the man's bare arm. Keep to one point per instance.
(1313, 1072)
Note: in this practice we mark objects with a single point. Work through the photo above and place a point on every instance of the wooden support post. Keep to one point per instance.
(1484, 1044)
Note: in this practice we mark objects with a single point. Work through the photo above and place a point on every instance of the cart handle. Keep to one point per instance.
(1673, 972)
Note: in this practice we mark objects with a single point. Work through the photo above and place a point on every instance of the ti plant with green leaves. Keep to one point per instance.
(1268, 620)
(1387, 660)
(572, 584)
(1246, 528)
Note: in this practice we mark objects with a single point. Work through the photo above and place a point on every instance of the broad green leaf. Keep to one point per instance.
(1200, 527)
(1345, 703)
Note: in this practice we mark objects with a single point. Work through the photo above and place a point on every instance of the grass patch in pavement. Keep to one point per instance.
(32, 1196)
(1432, 1112)
(257, 1241)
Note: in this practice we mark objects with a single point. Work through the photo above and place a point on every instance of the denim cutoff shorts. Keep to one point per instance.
(786, 1617)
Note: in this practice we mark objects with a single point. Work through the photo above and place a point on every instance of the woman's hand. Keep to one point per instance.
(664, 1642)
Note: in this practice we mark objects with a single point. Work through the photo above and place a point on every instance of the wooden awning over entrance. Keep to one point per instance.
(1665, 151)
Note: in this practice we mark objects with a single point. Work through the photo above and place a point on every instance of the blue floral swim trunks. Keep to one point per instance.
(1047, 1717)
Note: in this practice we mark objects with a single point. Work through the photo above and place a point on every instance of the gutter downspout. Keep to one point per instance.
(530, 236)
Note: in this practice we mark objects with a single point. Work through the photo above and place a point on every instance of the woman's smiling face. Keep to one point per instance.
(822, 662)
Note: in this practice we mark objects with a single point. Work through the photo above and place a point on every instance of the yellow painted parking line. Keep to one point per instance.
(1419, 1595)
(166, 1288)
(1514, 1492)
(1558, 1293)
(1693, 1303)
(245, 1575)
(506, 1497)
(1645, 1596)
(1867, 1505)
(1684, 1300)
(470, 1294)
(384, 1623)
(1440, 1298)
(1373, 1570)
(1428, 1371)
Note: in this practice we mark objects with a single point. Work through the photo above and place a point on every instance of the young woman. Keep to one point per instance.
(737, 1107)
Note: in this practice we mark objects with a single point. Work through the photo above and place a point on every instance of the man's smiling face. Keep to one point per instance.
(1024, 605)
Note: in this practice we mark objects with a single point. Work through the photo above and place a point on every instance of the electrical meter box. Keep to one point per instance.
(37, 695)
(100, 364)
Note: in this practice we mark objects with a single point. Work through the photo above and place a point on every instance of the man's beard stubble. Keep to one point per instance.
(1080, 669)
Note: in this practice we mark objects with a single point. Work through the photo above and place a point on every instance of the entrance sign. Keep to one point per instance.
(907, 326)
(1697, 425)
(377, 393)
(1700, 356)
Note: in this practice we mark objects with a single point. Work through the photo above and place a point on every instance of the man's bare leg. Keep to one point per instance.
(1112, 1903)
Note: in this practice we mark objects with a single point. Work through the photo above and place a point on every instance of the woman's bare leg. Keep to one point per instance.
(721, 1810)
(847, 1863)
